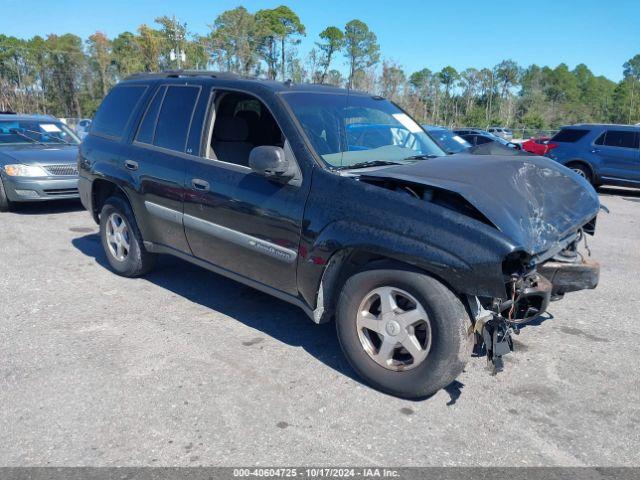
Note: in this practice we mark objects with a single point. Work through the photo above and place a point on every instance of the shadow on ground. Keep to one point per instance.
(46, 208)
(629, 194)
(276, 318)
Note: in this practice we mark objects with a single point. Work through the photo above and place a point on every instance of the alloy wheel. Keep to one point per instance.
(580, 172)
(118, 239)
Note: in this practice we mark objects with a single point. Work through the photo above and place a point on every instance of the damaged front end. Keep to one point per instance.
(545, 212)
(529, 288)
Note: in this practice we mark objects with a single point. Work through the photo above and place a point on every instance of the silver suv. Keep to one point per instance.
(501, 132)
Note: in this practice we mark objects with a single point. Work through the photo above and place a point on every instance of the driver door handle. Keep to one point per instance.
(200, 185)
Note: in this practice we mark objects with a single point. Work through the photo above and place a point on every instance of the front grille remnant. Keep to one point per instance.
(59, 170)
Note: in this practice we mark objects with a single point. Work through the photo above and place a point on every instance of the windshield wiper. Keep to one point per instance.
(50, 136)
(370, 163)
(20, 134)
(422, 156)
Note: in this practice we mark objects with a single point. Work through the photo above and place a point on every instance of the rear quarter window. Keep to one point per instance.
(569, 135)
(174, 118)
(113, 115)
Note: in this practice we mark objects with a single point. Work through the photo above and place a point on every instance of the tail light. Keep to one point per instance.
(549, 146)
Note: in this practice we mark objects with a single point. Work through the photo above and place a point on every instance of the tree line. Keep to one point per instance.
(67, 76)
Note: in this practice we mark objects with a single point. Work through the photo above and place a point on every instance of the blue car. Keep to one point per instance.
(449, 141)
(604, 154)
(38, 160)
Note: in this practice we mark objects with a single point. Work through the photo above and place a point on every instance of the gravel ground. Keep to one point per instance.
(185, 367)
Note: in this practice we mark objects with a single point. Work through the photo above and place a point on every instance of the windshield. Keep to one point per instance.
(449, 141)
(358, 130)
(36, 131)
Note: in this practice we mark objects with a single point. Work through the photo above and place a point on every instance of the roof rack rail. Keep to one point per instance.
(182, 73)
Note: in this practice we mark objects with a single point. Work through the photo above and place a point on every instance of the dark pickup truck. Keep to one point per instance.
(418, 255)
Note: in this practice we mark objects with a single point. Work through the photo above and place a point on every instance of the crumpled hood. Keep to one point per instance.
(39, 155)
(534, 201)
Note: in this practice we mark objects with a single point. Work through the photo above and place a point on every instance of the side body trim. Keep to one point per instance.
(241, 239)
(164, 213)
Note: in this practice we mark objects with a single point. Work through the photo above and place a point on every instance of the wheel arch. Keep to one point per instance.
(101, 190)
(350, 260)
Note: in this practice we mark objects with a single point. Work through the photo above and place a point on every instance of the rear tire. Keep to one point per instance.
(122, 241)
(5, 203)
(442, 343)
(582, 170)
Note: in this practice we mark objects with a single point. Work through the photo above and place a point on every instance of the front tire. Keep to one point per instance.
(5, 203)
(122, 241)
(404, 332)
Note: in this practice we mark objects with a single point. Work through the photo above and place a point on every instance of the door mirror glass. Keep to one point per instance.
(271, 162)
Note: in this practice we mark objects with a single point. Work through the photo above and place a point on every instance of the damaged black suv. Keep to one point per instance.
(340, 203)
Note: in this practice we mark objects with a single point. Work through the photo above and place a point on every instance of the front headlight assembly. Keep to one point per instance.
(18, 170)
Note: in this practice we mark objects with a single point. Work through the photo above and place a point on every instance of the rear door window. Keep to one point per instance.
(569, 135)
(174, 118)
(621, 139)
(116, 109)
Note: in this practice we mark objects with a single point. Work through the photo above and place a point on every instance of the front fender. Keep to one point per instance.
(476, 273)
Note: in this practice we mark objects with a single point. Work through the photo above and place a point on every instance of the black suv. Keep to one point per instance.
(340, 203)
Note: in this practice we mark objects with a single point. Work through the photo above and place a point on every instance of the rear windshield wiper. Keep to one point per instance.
(371, 163)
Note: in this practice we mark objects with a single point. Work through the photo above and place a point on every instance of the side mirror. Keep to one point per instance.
(270, 162)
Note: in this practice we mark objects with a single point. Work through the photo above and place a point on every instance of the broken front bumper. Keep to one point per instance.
(531, 294)
(530, 297)
(570, 277)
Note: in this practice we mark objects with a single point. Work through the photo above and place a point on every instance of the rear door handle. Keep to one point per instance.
(130, 165)
(595, 150)
(200, 185)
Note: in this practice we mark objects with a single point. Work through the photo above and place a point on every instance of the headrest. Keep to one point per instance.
(231, 129)
(248, 115)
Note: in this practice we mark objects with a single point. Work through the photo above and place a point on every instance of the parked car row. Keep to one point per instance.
(603, 154)
(479, 137)
(335, 201)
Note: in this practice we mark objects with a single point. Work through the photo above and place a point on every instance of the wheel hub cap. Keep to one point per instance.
(393, 328)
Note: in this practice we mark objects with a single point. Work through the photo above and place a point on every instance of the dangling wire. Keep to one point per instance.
(586, 246)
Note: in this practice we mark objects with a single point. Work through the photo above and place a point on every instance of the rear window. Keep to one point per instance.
(618, 138)
(174, 118)
(148, 125)
(569, 135)
(116, 109)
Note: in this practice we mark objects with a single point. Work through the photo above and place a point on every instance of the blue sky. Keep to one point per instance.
(416, 34)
